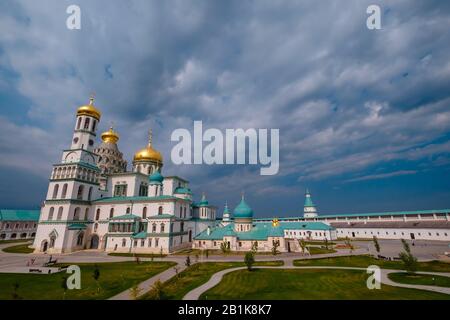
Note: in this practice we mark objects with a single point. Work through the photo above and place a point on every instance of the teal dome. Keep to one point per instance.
(203, 202)
(156, 177)
(243, 210)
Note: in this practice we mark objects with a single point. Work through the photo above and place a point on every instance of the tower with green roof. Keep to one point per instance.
(309, 209)
(243, 216)
(226, 216)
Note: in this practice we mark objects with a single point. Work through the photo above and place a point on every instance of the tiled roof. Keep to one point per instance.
(19, 215)
(118, 199)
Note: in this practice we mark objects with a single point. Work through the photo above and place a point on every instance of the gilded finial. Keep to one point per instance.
(150, 136)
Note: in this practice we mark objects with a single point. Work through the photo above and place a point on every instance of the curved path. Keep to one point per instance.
(217, 277)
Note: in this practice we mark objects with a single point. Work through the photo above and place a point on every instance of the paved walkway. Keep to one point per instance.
(217, 277)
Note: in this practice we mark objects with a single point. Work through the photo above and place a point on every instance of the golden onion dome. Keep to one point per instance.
(110, 136)
(148, 153)
(89, 110)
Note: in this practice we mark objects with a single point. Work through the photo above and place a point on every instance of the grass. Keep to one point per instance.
(114, 278)
(364, 261)
(211, 252)
(196, 275)
(421, 279)
(319, 250)
(15, 240)
(272, 284)
(139, 255)
(20, 248)
(319, 243)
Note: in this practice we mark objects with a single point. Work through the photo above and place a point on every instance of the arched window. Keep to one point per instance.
(95, 227)
(50, 213)
(111, 213)
(80, 239)
(156, 242)
(124, 242)
(182, 227)
(181, 212)
(144, 213)
(80, 192)
(160, 210)
(154, 227)
(97, 215)
(93, 125)
(90, 194)
(128, 210)
(185, 212)
(86, 214)
(76, 214)
(60, 212)
(55, 191)
(79, 123)
(52, 242)
(87, 121)
(162, 227)
(64, 191)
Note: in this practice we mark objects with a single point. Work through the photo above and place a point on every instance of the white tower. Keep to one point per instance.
(309, 209)
(65, 217)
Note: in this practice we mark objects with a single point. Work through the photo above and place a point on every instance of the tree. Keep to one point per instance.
(96, 276)
(15, 295)
(196, 257)
(349, 244)
(152, 257)
(207, 253)
(64, 286)
(302, 244)
(137, 259)
(135, 292)
(161, 252)
(249, 260)
(276, 244)
(408, 259)
(157, 292)
(376, 244)
(255, 246)
(223, 247)
(188, 261)
(326, 243)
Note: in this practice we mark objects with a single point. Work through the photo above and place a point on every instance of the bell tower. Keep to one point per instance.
(309, 209)
(66, 215)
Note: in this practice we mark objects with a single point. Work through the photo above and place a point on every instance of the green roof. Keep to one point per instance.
(181, 190)
(128, 216)
(243, 210)
(260, 231)
(115, 199)
(19, 215)
(162, 216)
(308, 199)
(140, 235)
(77, 226)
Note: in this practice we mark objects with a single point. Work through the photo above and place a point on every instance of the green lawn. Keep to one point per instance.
(194, 252)
(140, 255)
(289, 284)
(196, 275)
(319, 243)
(319, 250)
(422, 279)
(114, 278)
(20, 248)
(15, 240)
(364, 261)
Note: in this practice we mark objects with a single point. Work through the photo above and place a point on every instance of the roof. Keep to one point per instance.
(260, 231)
(162, 216)
(127, 216)
(77, 226)
(116, 199)
(140, 235)
(19, 215)
(351, 215)
(243, 210)
(182, 190)
(395, 224)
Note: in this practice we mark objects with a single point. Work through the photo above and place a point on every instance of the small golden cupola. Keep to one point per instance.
(89, 110)
(110, 136)
(147, 160)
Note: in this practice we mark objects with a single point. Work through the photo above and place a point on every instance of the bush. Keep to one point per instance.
(249, 260)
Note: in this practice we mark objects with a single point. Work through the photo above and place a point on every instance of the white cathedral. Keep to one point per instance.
(94, 203)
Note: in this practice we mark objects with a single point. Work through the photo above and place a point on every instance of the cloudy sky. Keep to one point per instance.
(364, 115)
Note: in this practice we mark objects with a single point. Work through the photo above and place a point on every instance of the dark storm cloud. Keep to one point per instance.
(346, 99)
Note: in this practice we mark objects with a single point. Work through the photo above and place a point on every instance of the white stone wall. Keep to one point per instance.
(398, 233)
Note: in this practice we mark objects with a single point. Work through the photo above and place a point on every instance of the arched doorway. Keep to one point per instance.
(44, 246)
(94, 242)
